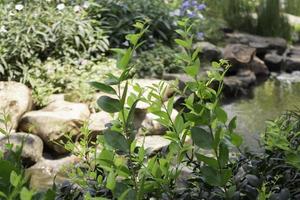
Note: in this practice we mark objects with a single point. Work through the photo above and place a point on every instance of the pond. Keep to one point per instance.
(267, 101)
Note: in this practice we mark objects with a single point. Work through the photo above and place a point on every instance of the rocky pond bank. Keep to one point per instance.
(253, 59)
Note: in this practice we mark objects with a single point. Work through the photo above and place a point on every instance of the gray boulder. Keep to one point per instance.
(32, 149)
(54, 121)
(292, 60)
(44, 172)
(209, 52)
(153, 144)
(239, 56)
(273, 61)
(263, 45)
(15, 101)
(259, 67)
(239, 84)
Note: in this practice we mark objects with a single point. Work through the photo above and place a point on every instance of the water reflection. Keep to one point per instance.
(268, 101)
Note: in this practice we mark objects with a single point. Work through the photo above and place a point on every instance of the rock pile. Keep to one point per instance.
(40, 131)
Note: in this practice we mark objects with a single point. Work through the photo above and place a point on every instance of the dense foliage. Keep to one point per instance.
(157, 61)
(121, 14)
(39, 31)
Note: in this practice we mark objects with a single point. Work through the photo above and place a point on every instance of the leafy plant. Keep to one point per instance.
(14, 184)
(238, 14)
(120, 15)
(270, 15)
(69, 78)
(38, 30)
(157, 61)
(122, 170)
(205, 121)
(283, 134)
(125, 171)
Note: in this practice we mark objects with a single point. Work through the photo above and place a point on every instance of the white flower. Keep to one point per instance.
(60, 6)
(76, 8)
(19, 7)
(86, 4)
(3, 29)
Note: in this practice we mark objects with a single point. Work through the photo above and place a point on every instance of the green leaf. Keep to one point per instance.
(111, 181)
(50, 194)
(181, 33)
(124, 61)
(106, 158)
(14, 179)
(103, 87)
(109, 104)
(202, 138)
(3, 195)
(179, 123)
(216, 177)
(112, 79)
(212, 162)
(223, 154)
(221, 114)
(133, 38)
(192, 70)
(215, 64)
(25, 194)
(123, 99)
(183, 43)
(232, 124)
(116, 140)
(236, 139)
(130, 116)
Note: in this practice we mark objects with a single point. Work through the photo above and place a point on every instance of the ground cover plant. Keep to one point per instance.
(39, 31)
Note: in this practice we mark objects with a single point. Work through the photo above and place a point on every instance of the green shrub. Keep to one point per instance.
(292, 7)
(55, 76)
(283, 134)
(271, 21)
(14, 183)
(122, 170)
(38, 30)
(157, 61)
(119, 15)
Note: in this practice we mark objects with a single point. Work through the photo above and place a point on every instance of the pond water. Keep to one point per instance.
(267, 101)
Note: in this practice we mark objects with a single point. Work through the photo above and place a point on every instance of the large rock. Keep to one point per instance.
(15, 100)
(98, 122)
(153, 143)
(46, 171)
(273, 61)
(292, 60)
(292, 64)
(238, 53)
(54, 121)
(209, 52)
(239, 84)
(259, 67)
(239, 56)
(293, 77)
(32, 149)
(263, 45)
